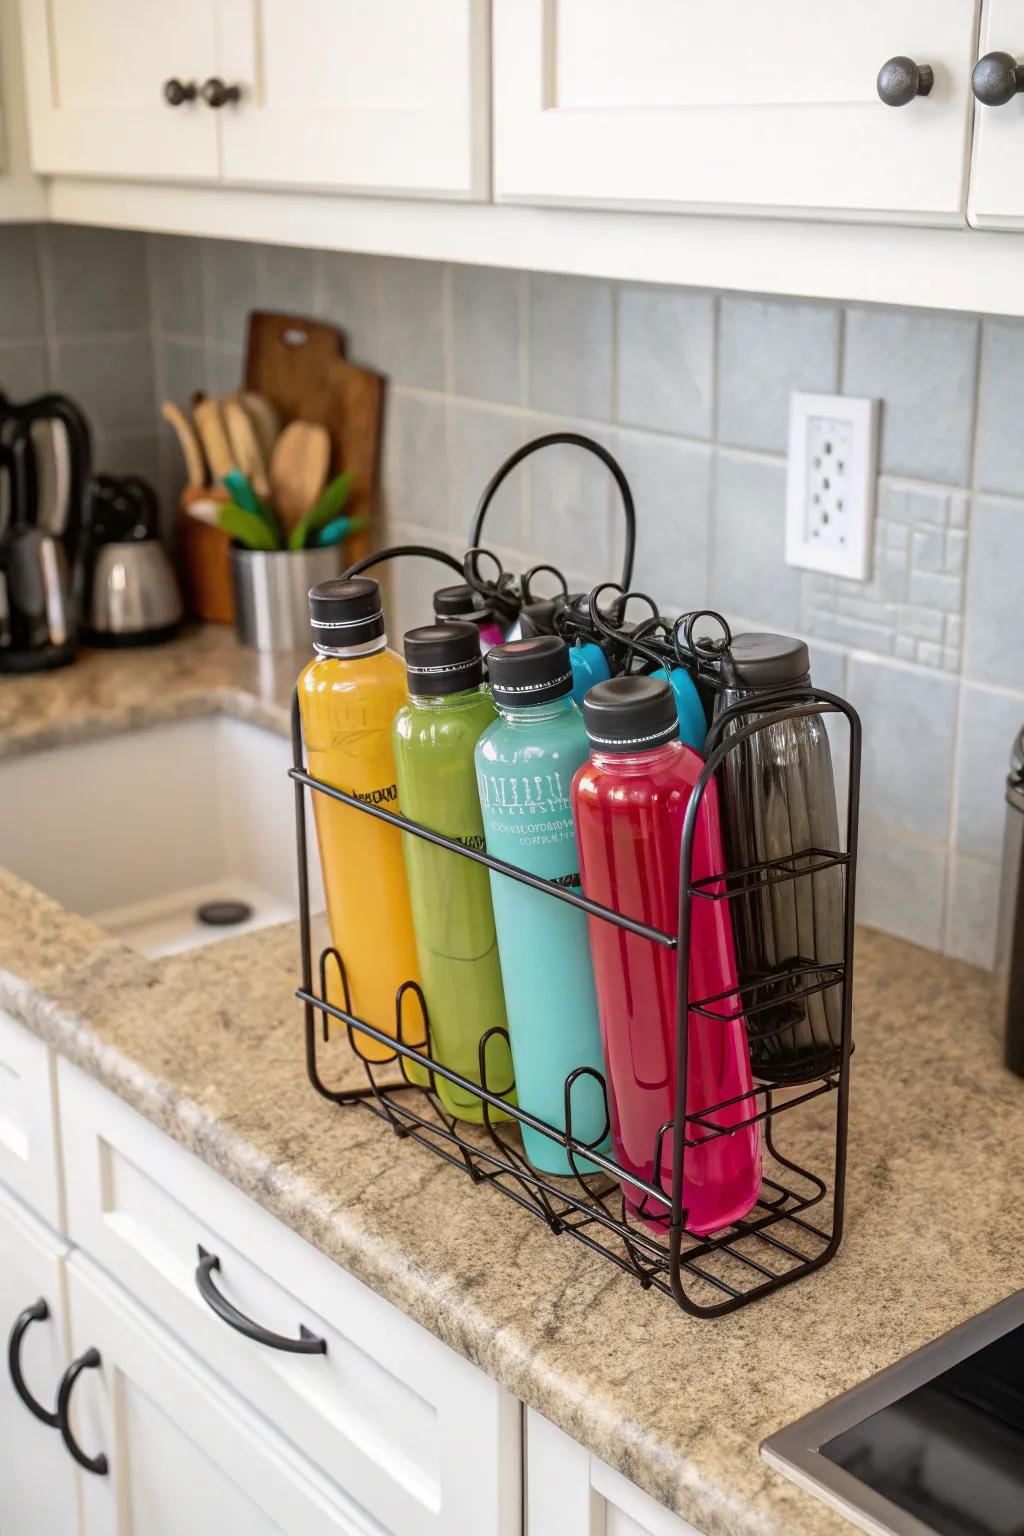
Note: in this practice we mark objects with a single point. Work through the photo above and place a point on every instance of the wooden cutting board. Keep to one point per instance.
(300, 366)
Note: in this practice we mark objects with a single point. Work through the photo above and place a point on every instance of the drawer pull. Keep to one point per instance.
(87, 1362)
(306, 1344)
(38, 1312)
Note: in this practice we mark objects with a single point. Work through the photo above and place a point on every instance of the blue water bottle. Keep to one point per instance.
(525, 763)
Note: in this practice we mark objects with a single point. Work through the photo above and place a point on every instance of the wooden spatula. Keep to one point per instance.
(209, 420)
(266, 422)
(298, 469)
(245, 445)
(191, 452)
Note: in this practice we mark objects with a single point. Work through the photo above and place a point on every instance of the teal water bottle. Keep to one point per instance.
(525, 762)
(693, 726)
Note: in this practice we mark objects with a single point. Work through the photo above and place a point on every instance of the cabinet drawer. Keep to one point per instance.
(414, 1434)
(29, 1161)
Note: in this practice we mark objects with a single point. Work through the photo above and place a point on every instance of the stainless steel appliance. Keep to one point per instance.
(1010, 933)
(134, 594)
(41, 566)
(934, 1446)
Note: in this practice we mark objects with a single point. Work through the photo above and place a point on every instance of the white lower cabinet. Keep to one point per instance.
(569, 1492)
(37, 1476)
(185, 1456)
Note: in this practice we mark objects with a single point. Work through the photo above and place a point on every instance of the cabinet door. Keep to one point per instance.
(186, 1456)
(370, 98)
(29, 1156)
(96, 75)
(997, 171)
(37, 1476)
(744, 107)
(572, 1493)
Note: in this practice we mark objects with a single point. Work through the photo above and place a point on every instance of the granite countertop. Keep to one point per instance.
(208, 1046)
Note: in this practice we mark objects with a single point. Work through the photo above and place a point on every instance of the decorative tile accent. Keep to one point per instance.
(916, 586)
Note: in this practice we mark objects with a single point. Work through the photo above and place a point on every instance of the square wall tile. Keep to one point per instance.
(908, 717)
(671, 485)
(23, 370)
(21, 304)
(900, 886)
(348, 295)
(409, 585)
(1001, 409)
(235, 269)
(973, 915)
(666, 340)
(486, 334)
(482, 437)
(130, 453)
(98, 279)
(766, 350)
(748, 574)
(922, 367)
(416, 484)
(570, 330)
(112, 381)
(288, 280)
(226, 370)
(994, 649)
(176, 262)
(570, 495)
(989, 723)
(183, 368)
(412, 322)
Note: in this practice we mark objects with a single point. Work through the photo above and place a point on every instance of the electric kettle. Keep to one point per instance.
(134, 595)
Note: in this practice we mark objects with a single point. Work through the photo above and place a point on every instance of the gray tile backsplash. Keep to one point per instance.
(691, 390)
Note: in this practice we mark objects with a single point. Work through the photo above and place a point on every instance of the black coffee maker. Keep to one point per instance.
(42, 550)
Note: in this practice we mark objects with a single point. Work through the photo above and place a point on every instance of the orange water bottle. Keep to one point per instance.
(348, 697)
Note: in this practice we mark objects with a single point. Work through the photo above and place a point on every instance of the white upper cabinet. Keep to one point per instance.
(743, 107)
(97, 75)
(997, 172)
(340, 94)
(332, 94)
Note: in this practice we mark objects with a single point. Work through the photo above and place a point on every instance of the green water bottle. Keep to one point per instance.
(435, 735)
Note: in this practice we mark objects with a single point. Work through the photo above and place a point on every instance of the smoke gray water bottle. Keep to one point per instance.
(777, 795)
(1010, 933)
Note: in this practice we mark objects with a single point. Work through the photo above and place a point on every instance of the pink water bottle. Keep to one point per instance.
(629, 801)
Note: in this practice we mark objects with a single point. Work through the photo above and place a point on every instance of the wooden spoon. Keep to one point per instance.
(209, 420)
(245, 445)
(265, 419)
(298, 469)
(188, 442)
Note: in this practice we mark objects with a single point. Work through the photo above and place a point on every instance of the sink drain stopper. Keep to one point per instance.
(223, 914)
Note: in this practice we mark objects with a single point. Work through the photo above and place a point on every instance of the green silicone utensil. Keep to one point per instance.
(323, 511)
(247, 528)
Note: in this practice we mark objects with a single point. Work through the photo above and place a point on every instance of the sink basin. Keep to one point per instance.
(138, 831)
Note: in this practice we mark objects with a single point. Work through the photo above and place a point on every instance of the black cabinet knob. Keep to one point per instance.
(900, 80)
(217, 94)
(996, 79)
(175, 92)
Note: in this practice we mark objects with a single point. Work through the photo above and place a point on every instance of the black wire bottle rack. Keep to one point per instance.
(796, 1224)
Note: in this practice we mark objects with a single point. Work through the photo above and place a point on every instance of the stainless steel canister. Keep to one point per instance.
(271, 594)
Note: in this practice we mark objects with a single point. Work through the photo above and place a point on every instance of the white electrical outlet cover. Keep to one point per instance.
(830, 485)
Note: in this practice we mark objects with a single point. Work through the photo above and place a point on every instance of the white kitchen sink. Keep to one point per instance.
(139, 830)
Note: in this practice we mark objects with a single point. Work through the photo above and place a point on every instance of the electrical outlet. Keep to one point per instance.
(830, 486)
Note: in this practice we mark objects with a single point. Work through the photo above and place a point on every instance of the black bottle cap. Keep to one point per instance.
(767, 661)
(631, 714)
(538, 618)
(532, 671)
(460, 602)
(346, 612)
(443, 658)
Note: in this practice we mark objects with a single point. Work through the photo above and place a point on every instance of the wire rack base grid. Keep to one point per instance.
(639, 1224)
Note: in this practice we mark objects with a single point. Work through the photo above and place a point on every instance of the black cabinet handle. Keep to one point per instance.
(306, 1344)
(900, 80)
(217, 94)
(176, 92)
(87, 1362)
(38, 1312)
(996, 79)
